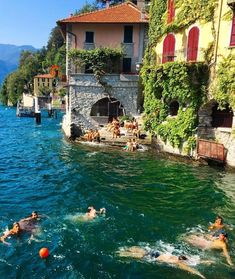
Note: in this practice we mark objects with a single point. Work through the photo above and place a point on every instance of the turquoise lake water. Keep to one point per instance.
(150, 202)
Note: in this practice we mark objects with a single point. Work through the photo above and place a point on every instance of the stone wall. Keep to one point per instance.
(85, 91)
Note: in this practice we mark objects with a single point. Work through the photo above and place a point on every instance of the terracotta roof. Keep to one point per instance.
(123, 13)
(44, 76)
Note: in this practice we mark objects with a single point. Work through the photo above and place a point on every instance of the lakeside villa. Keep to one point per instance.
(198, 45)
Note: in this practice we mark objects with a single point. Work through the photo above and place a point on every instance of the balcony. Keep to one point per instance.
(181, 55)
(88, 46)
(231, 4)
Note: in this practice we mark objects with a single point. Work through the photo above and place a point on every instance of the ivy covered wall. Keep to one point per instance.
(181, 82)
(186, 83)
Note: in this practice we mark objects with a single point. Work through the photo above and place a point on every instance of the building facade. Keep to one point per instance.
(194, 34)
(89, 104)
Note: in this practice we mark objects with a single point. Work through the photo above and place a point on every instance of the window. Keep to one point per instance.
(88, 69)
(126, 65)
(128, 34)
(171, 11)
(232, 38)
(222, 118)
(89, 37)
(192, 49)
(168, 48)
(173, 108)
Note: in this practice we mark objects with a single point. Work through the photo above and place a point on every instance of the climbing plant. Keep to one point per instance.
(185, 83)
(187, 13)
(99, 60)
(224, 92)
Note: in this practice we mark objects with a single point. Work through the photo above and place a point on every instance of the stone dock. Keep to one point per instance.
(107, 139)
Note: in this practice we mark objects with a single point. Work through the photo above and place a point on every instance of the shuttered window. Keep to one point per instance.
(232, 38)
(193, 39)
(168, 48)
(171, 11)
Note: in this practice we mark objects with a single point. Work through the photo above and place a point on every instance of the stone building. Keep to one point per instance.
(89, 104)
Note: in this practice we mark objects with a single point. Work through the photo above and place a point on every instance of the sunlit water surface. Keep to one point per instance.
(151, 202)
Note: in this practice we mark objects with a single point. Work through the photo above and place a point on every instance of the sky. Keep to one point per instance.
(29, 22)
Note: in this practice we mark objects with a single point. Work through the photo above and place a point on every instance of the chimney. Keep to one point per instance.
(107, 4)
(141, 4)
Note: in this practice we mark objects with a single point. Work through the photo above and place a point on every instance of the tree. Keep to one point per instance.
(56, 39)
(111, 2)
(3, 93)
(86, 8)
(45, 91)
(15, 87)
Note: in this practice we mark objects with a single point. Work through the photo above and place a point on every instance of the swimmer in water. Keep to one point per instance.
(29, 224)
(34, 216)
(218, 224)
(178, 261)
(16, 230)
(92, 212)
(219, 244)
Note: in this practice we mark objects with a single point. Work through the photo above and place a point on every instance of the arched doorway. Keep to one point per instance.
(222, 118)
(106, 109)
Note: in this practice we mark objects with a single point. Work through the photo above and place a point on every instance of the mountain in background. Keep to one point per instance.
(9, 58)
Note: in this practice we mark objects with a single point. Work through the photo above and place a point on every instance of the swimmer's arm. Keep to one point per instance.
(190, 269)
(227, 256)
(101, 211)
(207, 262)
(2, 239)
(211, 227)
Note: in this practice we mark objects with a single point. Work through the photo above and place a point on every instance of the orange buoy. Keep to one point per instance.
(44, 253)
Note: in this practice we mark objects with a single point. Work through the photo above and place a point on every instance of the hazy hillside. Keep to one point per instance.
(9, 58)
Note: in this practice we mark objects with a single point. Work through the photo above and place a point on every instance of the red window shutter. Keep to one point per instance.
(168, 48)
(232, 38)
(192, 49)
(171, 11)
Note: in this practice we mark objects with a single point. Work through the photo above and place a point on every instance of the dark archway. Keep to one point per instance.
(222, 118)
(106, 109)
(173, 108)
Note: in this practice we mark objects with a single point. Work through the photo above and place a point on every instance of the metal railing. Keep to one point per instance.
(181, 55)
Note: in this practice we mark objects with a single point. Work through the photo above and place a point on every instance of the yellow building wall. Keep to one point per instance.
(224, 49)
(181, 42)
(222, 24)
(38, 82)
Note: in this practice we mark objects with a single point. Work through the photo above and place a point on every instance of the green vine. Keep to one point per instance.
(99, 60)
(225, 93)
(175, 81)
(185, 83)
(187, 13)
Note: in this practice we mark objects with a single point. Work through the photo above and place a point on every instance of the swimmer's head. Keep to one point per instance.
(182, 258)
(16, 227)
(89, 209)
(34, 215)
(219, 220)
(223, 235)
